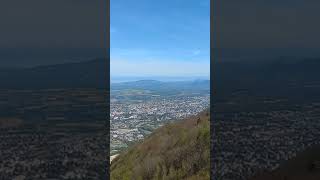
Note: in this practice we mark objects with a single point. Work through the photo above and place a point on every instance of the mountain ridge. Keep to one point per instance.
(87, 74)
(163, 154)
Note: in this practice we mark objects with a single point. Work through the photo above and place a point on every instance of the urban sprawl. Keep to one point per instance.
(132, 121)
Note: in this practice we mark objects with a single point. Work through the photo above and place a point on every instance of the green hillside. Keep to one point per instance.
(178, 150)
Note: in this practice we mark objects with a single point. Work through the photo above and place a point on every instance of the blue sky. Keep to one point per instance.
(160, 38)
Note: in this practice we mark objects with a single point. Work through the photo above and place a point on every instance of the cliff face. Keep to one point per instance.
(179, 150)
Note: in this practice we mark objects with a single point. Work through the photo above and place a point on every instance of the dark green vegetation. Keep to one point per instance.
(179, 150)
(305, 166)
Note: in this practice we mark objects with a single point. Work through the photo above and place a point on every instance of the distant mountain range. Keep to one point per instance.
(179, 150)
(281, 77)
(160, 86)
(269, 77)
(120, 79)
(88, 74)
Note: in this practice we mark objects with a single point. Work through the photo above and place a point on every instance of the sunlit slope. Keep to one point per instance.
(178, 150)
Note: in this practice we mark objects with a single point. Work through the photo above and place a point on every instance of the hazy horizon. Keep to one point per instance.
(120, 79)
(159, 38)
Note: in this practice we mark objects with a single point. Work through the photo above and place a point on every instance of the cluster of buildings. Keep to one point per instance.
(131, 121)
(39, 156)
(248, 142)
(53, 134)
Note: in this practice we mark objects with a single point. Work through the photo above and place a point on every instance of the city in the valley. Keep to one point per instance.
(138, 109)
